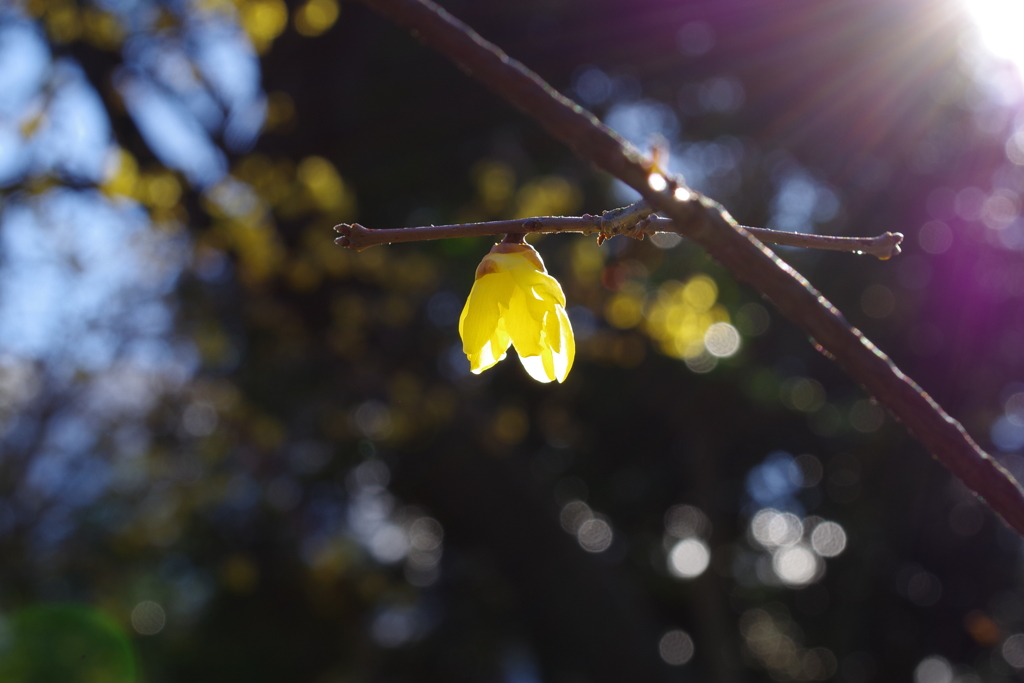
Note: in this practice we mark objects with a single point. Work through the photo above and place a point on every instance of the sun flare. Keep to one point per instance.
(1000, 26)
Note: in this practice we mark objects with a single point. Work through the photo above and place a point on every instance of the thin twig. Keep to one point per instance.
(705, 222)
(612, 222)
(883, 246)
(625, 221)
(357, 238)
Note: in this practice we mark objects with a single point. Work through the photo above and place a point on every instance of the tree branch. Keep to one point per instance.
(633, 220)
(706, 223)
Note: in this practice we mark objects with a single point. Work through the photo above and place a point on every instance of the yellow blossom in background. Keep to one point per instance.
(495, 185)
(515, 302)
(160, 190)
(122, 174)
(63, 21)
(263, 20)
(102, 29)
(316, 16)
(681, 314)
(626, 308)
(325, 186)
(548, 196)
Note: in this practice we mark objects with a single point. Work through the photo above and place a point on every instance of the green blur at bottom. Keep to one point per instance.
(64, 643)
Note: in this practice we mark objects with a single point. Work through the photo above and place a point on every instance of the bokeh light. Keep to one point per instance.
(803, 394)
(752, 319)
(688, 558)
(681, 314)
(773, 483)
(594, 535)
(395, 626)
(592, 531)
(919, 586)
(1013, 650)
(592, 85)
(772, 528)
(316, 16)
(148, 618)
(772, 639)
(722, 340)
(866, 416)
(686, 521)
(796, 565)
(935, 237)
(676, 647)
(695, 38)
(574, 514)
(933, 670)
(811, 470)
(828, 539)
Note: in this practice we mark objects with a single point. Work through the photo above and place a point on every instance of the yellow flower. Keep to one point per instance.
(515, 301)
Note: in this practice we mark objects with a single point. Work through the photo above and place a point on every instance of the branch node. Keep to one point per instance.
(354, 236)
(889, 245)
(623, 221)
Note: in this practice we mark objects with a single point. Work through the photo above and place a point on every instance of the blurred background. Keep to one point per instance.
(231, 451)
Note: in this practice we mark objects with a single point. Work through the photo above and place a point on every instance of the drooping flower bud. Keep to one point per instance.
(515, 302)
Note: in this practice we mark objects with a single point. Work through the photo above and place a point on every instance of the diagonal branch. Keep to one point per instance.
(706, 223)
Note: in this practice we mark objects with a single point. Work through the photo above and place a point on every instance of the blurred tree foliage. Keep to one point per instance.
(264, 457)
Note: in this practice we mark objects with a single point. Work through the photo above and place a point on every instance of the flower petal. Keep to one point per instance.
(559, 350)
(492, 352)
(482, 338)
(543, 286)
(525, 329)
(535, 366)
(565, 351)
